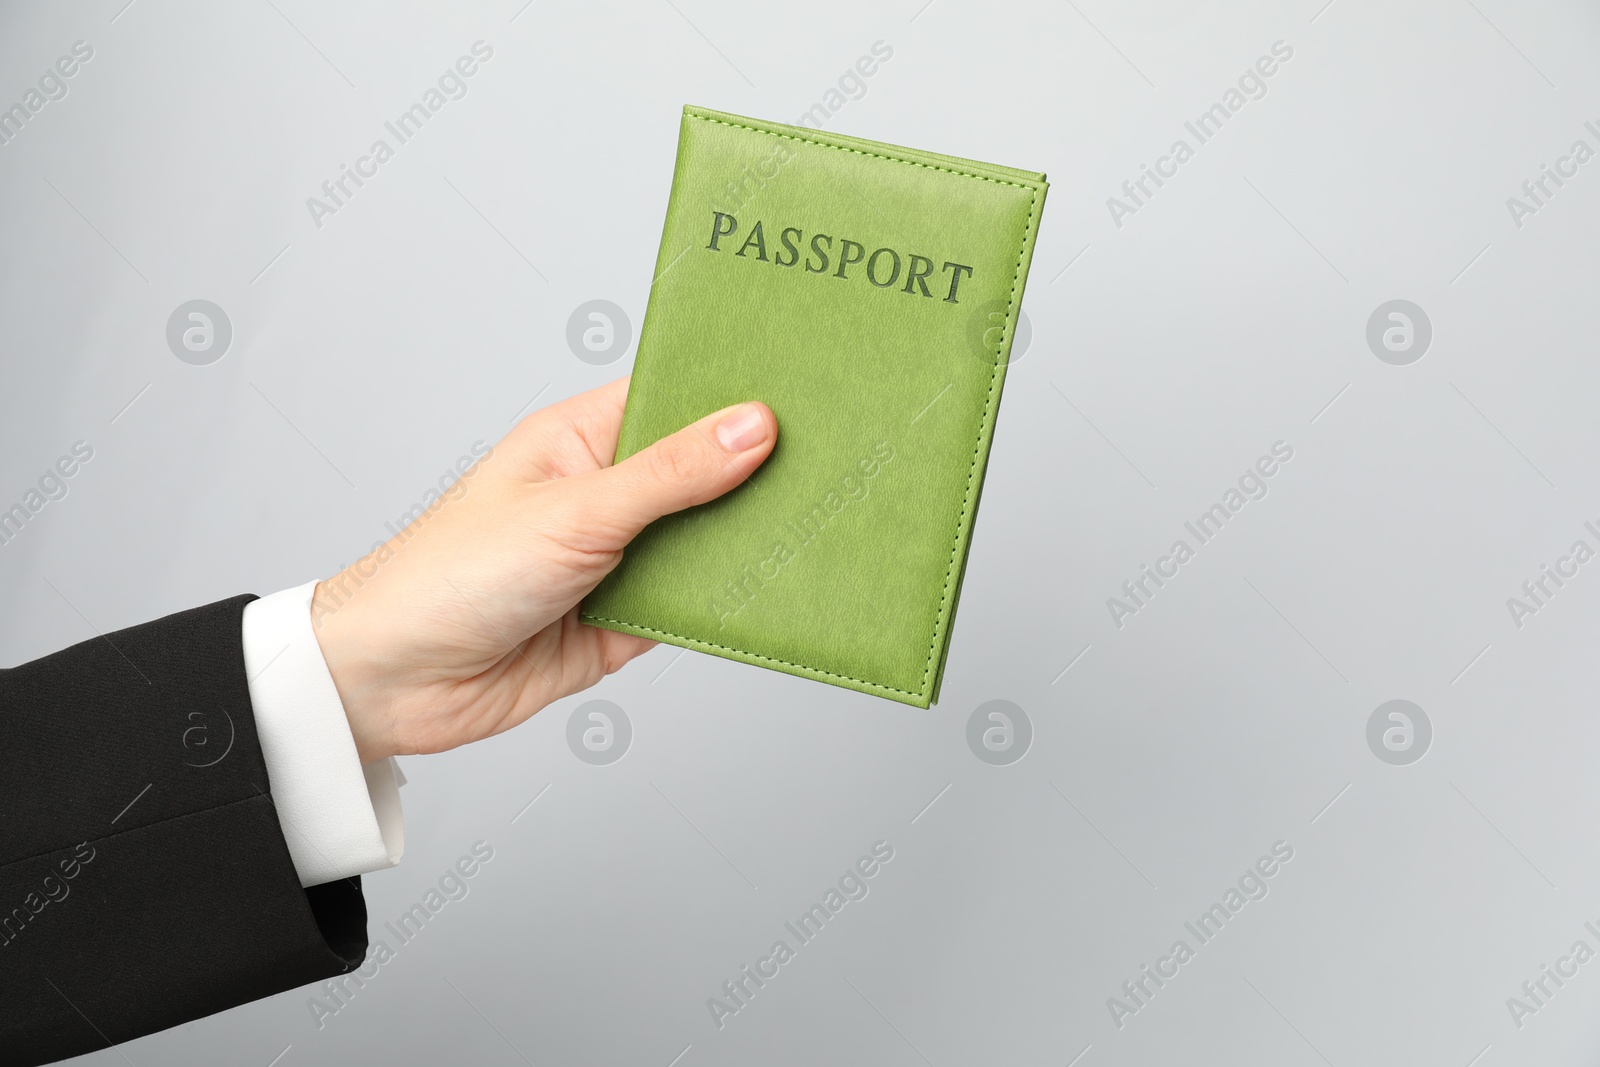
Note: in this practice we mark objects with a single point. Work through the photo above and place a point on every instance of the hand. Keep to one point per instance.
(466, 623)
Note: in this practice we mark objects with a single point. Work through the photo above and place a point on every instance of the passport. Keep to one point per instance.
(869, 295)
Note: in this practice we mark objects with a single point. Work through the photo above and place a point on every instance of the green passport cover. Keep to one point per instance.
(869, 295)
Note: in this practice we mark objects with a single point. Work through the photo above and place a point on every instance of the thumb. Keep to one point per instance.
(700, 462)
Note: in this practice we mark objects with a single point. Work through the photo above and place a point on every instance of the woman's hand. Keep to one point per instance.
(466, 623)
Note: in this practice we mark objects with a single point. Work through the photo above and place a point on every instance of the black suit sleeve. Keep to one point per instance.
(144, 878)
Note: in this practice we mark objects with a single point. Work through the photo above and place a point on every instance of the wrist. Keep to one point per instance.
(359, 679)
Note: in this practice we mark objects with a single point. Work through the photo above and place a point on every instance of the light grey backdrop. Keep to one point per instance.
(1175, 341)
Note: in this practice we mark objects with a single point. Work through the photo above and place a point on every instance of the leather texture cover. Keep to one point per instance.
(869, 295)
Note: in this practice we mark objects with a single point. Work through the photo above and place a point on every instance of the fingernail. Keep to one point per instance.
(742, 428)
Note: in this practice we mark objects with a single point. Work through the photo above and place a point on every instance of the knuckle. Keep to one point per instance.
(674, 459)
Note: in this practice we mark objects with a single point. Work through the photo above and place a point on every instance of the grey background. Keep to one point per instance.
(1168, 354)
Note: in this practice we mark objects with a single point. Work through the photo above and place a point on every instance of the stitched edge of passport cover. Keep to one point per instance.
(1035, 185)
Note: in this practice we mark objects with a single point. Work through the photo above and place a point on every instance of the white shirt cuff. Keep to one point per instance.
(340, 819)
